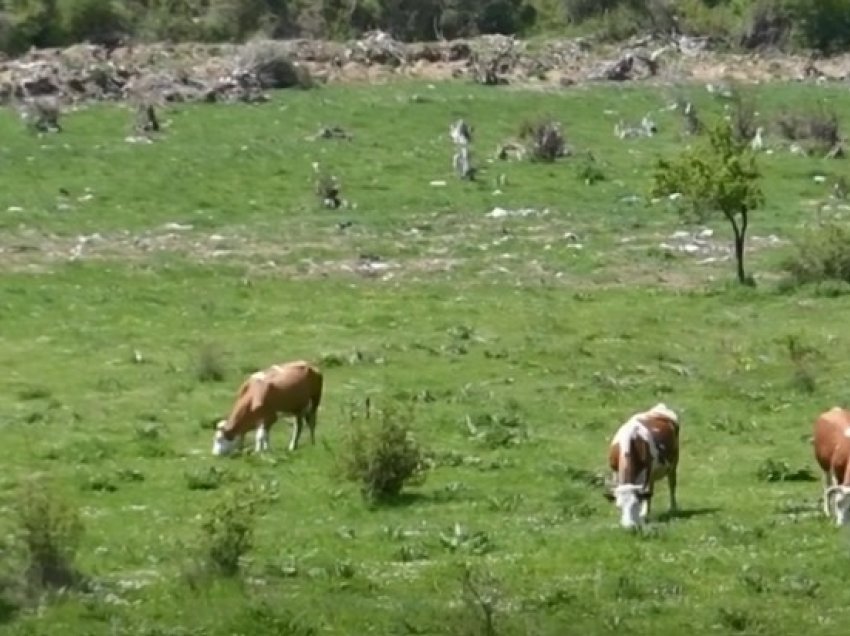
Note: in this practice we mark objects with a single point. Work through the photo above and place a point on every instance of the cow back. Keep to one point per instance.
(293, 388)
(665, 434)
(830, 441)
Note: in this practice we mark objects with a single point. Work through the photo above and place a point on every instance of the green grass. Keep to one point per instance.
(475, 317)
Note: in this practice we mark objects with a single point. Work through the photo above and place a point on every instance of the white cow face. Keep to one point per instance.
(221, 445)
(840, 496)
(628, 500)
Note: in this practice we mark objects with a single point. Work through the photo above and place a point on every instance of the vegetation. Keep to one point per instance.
(749, 24)
(227, 534)
(821, 255)
(382, 457)
(521, 317)
(719, 176)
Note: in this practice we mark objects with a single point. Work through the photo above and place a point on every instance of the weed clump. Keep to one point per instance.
(49, 530)
(544, 138)
(210, 478)
(382, 457)
(210, 365)
(772, 470)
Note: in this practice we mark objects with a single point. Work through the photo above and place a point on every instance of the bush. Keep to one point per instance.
(210, 366)
(35, 24)
(744, 118)
(233, 20)
(821, 255)
(545, 139)
(818, 127)
(382, 457)
(227, 534)
(210, 478)
(265, 617)
(93, 20)
(49, 530)
(577, 11)
(823, 25)
(768, 24)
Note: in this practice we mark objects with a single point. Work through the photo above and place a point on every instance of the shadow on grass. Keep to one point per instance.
(403, 500)
(686, 513)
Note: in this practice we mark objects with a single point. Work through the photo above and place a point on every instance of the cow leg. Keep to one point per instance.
(311, 424)
(263, 436)
(827, 482)
(648, 487)
(261, 441)
(671, 482)
(297, 426)
(645, 505)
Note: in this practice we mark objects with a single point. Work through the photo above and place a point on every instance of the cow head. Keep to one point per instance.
(222, 445)
(839, 496)
(628, 498)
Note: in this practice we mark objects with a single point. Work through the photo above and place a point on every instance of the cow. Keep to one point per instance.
(831, 444)
(644, 450)
(292, 388)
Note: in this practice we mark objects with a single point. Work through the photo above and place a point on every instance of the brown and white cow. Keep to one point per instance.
(293, 388)
(832, 451)
(644, 450)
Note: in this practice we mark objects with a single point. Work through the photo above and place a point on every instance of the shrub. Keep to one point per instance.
(481, 596)
(505, 16)
(578, 11)
(545, 139)
(821, 255)
(227, 534)
(382, 457)
(817, 126)
(93, 20)
(233, 19)
(744, 121)
(49, 529)
(768, 24)
(822, 25)
(265, 617)
(771, 470)
(696, 17)
(209, 479)
(210, 367)
(588, 170)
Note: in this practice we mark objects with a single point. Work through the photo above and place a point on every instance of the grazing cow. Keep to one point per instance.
(644, 450)
(294, 388)
(832, 452)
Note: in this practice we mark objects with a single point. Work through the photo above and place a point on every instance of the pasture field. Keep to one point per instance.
(211, 251)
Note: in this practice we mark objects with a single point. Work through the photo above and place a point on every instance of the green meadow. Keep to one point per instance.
(515, 321)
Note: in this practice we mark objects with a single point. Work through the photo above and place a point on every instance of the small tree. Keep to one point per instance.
(719, 175)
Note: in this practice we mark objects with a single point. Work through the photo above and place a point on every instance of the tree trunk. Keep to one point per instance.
(740, 232)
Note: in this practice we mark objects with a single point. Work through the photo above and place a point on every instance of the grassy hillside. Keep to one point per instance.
(413, 295)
